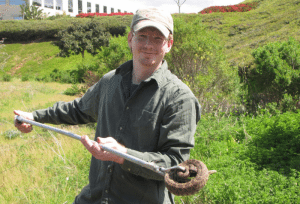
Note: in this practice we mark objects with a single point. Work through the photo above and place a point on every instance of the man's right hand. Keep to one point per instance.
(23, 127)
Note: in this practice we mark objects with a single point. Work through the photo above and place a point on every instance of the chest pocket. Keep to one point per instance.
(145, 129)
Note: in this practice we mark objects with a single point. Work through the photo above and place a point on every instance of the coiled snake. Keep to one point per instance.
(189, 182)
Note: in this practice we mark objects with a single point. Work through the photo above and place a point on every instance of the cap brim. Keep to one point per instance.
(147, 23)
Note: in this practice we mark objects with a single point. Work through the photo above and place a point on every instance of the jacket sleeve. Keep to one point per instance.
(176, 137)
(79, 111)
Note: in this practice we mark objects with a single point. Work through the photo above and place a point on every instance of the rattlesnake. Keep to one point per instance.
(180, 183)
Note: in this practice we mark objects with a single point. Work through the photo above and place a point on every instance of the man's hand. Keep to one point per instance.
(23, 127)
(95, 149)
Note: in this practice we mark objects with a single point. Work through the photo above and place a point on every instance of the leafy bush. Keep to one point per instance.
(31, 12)
(275, 141)
(6, 77)
(58, 16)
(90, 15)
(227, 144)
(197, 58)
(277, 74)
(80, 37)
(74, 90)
(16, 31)
(116, 53)
(73, 76)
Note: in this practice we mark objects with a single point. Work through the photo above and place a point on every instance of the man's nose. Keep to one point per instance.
(149, 41)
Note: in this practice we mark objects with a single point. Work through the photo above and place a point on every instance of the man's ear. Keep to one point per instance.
(170, 44)
(129, 39)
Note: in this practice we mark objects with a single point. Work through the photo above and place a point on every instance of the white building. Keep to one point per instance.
(74, 7)
(70, 7)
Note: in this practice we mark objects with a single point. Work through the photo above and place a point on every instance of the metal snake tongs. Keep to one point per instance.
(148, 165)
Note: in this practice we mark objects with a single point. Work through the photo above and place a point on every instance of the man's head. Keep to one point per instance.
(151, 36)
(152, 17)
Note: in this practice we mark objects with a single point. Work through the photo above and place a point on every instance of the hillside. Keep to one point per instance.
(272, 20)
(241, 33)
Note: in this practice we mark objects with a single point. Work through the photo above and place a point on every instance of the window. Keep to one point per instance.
(58, 5)
(79, 6)
(18, 18)
(97, 8)
(70, 6)
(112, 10)
(104, 9)
(119, 10)
(37, 2)
(89, 7)
(49, 4)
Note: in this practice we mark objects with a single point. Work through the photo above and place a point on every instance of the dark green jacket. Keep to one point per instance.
(156, 123)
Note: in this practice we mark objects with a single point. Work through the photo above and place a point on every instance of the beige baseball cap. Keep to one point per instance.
(153, 17)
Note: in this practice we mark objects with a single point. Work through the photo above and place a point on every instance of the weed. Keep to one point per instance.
(6, 77)
(11, 134)
(74, 90)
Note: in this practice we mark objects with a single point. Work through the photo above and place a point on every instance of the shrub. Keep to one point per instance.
(197, 58)
(277, 74)
(74, 90)
(6, 77)
(80, 37)
(73, 76)
(90, 15)
(90, 78)
(116, 53)
(275, 141)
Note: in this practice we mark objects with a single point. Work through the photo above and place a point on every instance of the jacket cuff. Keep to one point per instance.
(138, 169)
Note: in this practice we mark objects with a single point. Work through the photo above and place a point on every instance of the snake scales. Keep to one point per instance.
(189, 182)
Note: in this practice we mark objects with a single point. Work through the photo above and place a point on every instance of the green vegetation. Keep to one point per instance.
(197, 58)
(256, 158)
(243, 67)
(77, 39)
(42, 30)
(272, 20)
(276, 76)
(31, 12)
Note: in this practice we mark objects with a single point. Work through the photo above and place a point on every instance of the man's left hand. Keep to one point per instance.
(95, 149)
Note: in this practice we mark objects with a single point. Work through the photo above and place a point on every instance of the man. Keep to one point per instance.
(141, 109)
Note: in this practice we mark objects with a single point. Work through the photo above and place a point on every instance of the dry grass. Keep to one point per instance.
(42, 166)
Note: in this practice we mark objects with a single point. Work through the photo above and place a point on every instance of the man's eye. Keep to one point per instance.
(158, 38)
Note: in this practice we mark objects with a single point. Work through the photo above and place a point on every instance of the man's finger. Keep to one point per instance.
(86, 142)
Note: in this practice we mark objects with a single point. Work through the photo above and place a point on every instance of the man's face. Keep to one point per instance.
(149, 46)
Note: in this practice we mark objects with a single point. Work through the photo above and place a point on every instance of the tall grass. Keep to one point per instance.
(39, 167)
(45, 167)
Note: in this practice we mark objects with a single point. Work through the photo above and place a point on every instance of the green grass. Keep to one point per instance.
(38, 59)
(42, 166)
(223, 144)
(273, 20)
(45, 167)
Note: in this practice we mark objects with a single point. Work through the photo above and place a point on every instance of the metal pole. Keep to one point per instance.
(128, 157)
